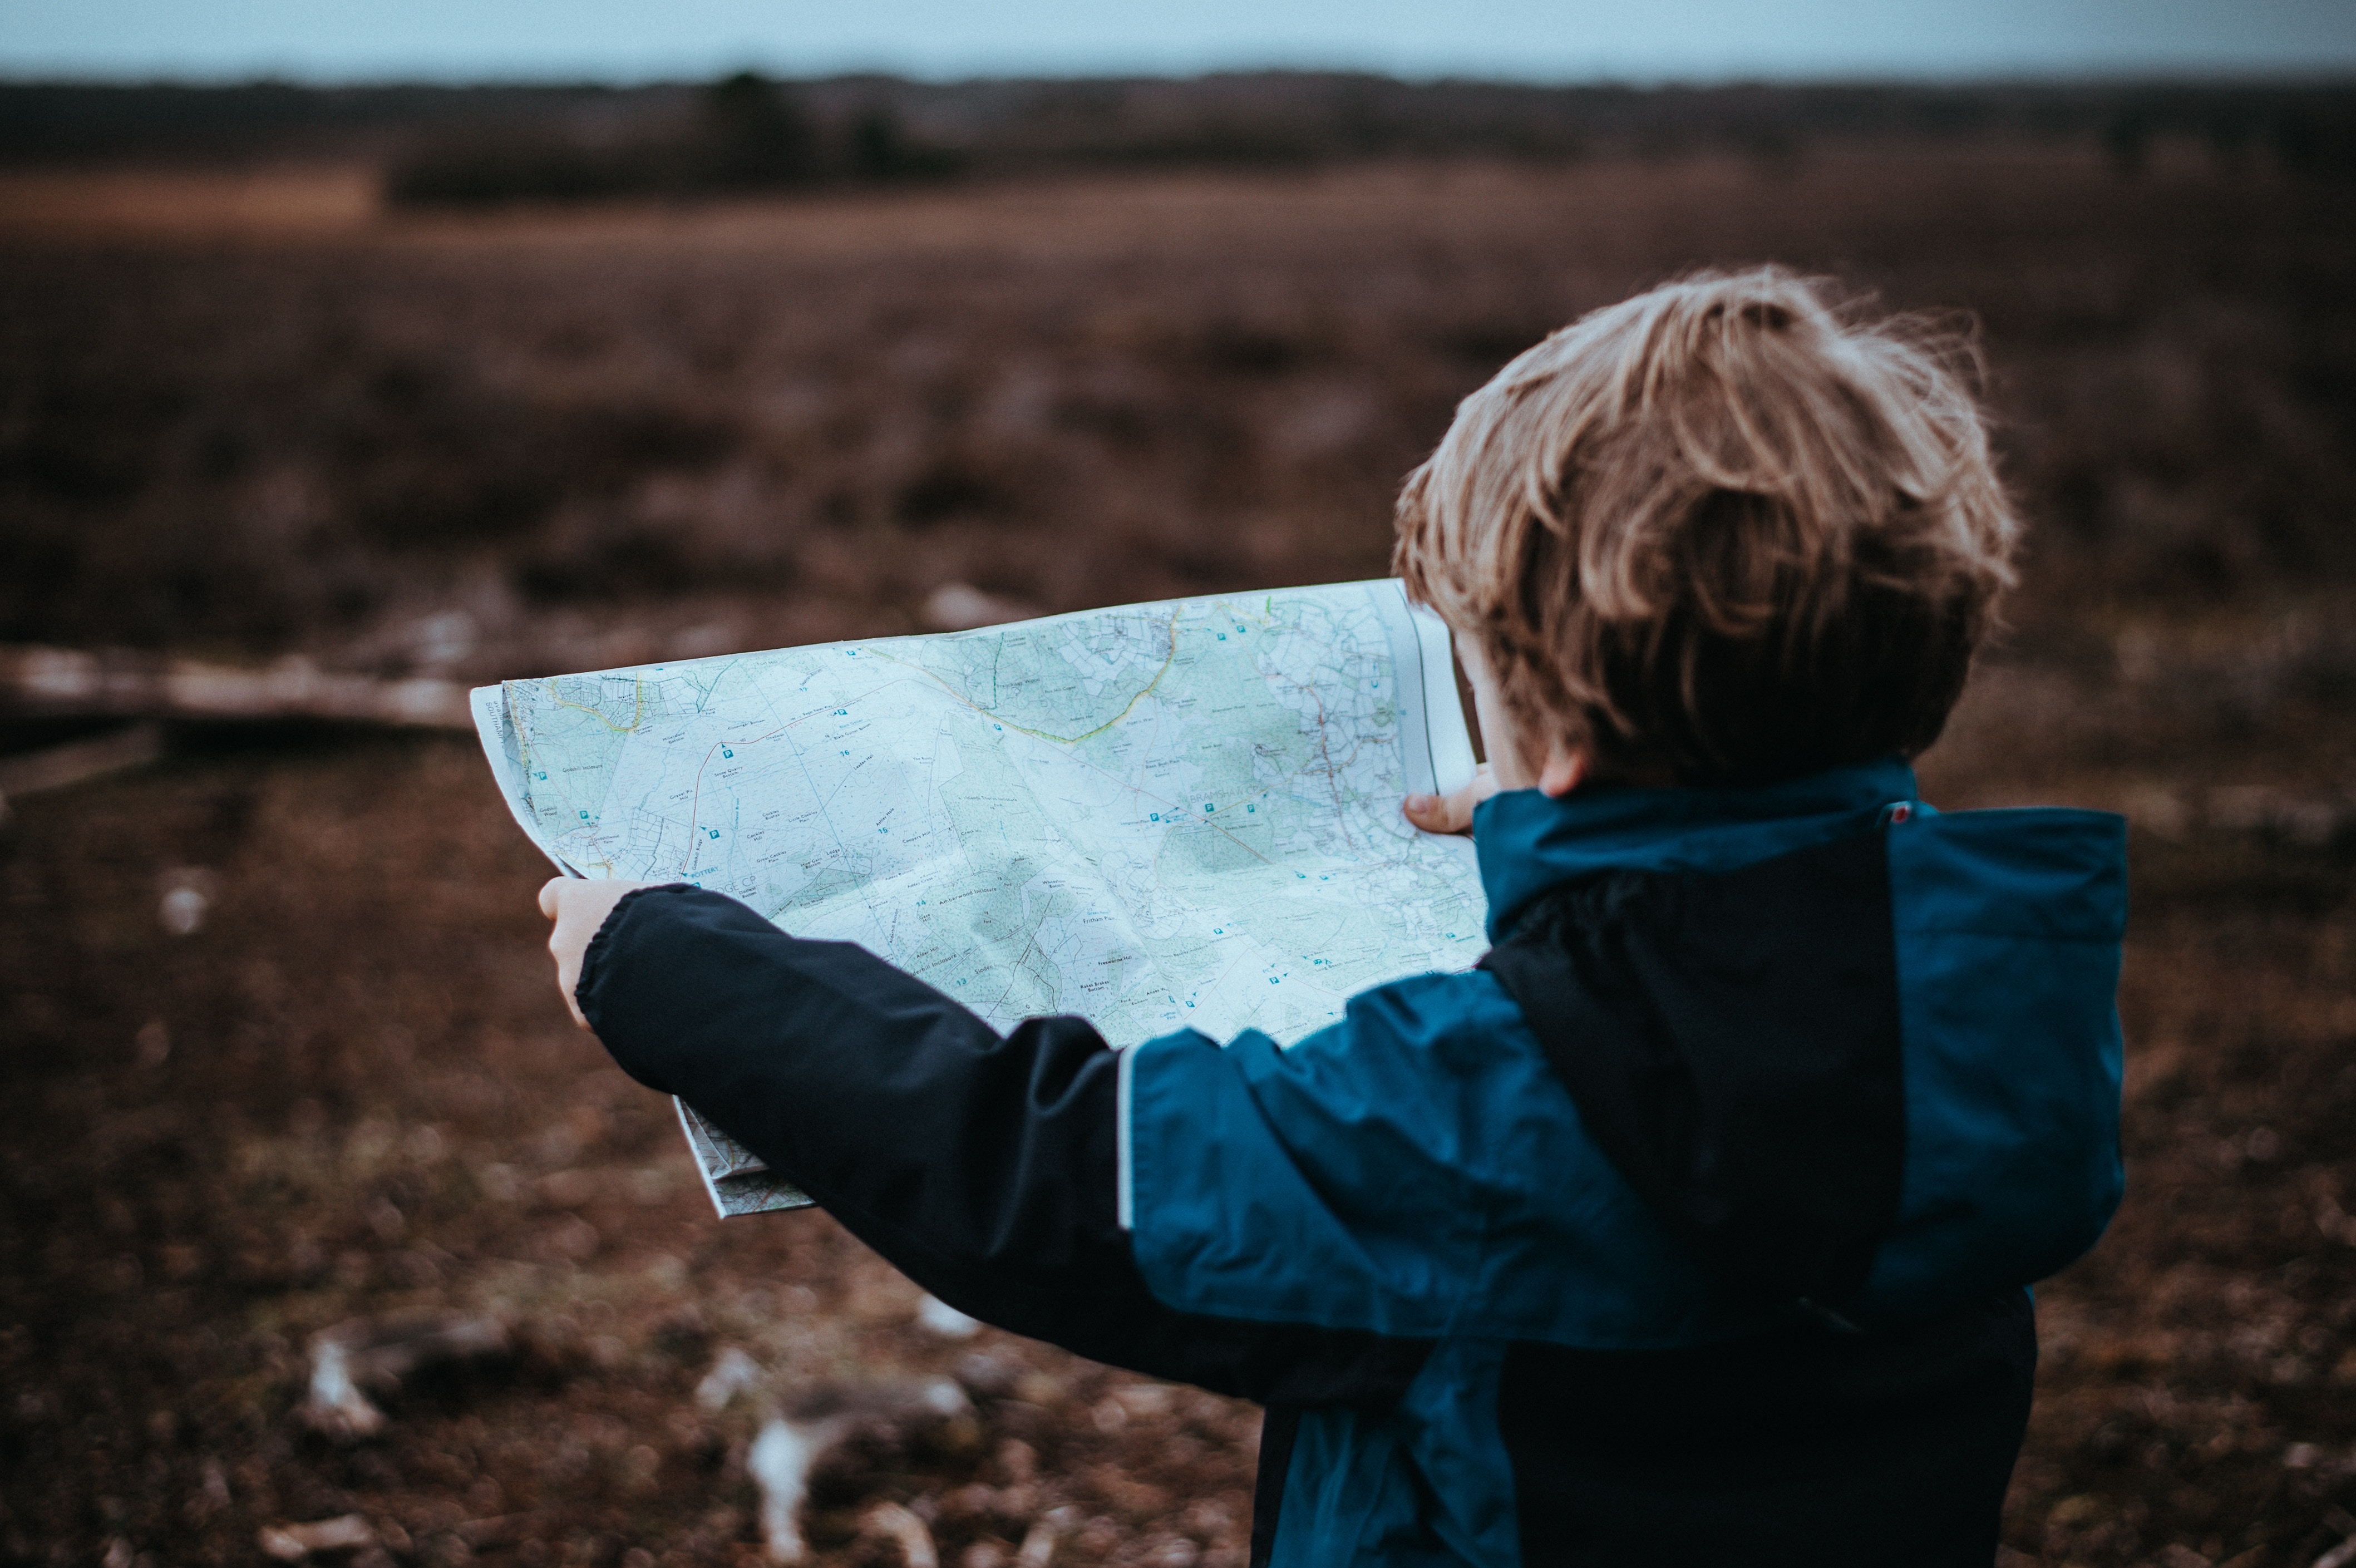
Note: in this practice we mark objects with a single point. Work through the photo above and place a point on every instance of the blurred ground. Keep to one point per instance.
(538, 441)
(83, 204)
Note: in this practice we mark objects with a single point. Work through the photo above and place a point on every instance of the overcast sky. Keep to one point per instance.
(631, 40)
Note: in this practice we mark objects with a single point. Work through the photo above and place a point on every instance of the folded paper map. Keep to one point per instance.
(1160, 816)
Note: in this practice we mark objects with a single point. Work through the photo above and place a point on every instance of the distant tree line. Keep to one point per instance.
(748, 133)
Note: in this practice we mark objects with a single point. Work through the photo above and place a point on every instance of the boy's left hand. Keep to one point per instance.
(579, 908)
(1452, 813)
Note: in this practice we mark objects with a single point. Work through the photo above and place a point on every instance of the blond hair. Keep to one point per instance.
(1723, 532)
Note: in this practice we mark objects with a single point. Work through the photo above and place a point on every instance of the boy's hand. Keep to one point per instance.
(1452, 813)
(579, 908)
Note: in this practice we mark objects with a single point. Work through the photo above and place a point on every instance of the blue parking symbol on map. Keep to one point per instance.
(1155, 816)
(584, 816)
(725, 752)
(714, 831)
(542, 776)
(1208, 807)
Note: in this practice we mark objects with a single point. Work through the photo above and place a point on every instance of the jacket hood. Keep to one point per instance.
(1528, 842)
(2003, 933)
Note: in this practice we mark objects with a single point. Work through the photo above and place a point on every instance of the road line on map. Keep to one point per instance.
(637, 707)
(695, 802)
(1143, 693)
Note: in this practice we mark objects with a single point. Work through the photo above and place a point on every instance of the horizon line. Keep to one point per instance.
(2340, 74)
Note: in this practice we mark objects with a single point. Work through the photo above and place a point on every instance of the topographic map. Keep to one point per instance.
(1158, 817)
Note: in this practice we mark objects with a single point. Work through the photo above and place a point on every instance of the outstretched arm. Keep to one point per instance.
(984, 1166)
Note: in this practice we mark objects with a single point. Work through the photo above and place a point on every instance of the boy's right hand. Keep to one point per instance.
(1452, 813)
(579, 907)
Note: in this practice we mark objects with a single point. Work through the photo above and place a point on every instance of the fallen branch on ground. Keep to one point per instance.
(68, 682)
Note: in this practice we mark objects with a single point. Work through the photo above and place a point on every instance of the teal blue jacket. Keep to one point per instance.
(1504, 1250)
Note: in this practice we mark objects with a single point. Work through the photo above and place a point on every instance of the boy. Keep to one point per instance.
(1693, 1226)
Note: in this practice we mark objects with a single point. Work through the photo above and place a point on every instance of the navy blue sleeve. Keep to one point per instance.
(983, 1166)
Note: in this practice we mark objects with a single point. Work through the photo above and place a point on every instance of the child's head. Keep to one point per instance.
(1719, 532)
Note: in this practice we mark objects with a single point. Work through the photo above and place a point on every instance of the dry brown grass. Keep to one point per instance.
(788, 419)
(180, 205)
(551, 440)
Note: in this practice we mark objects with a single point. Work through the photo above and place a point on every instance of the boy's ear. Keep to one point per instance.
(1565, 770)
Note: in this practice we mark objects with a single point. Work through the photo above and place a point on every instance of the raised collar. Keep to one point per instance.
(1528, 842)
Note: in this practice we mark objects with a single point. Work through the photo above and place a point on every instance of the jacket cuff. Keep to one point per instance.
(588, 989)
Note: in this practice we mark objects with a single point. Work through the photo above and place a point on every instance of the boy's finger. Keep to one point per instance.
(1441, 814)
(548, 904)
(1452, 813)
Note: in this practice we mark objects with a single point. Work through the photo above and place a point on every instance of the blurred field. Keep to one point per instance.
(245, 421)
(72, 205)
